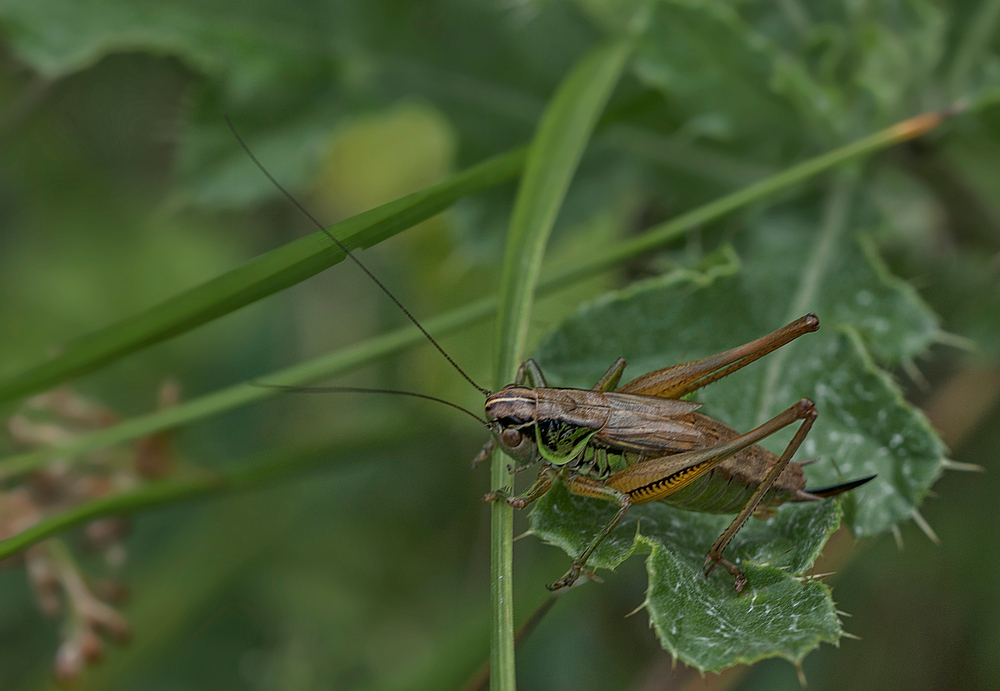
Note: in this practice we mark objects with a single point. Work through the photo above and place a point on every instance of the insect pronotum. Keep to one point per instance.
(634, 443)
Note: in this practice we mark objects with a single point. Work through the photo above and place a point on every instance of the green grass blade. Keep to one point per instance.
(265, 275)
(555, 152)
(267, 470)
(144, 497)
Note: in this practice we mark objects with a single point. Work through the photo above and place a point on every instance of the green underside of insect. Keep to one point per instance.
(640, 443)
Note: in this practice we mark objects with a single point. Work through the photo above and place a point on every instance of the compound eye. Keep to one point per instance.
(510, 438)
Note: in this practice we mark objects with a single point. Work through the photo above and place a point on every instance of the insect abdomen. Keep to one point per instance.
(728, 486)
(719, 492)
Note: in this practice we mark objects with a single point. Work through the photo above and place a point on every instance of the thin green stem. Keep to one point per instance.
(169, 491)
(481, 678)
(145, 497)
(555, 152)
(396, 341)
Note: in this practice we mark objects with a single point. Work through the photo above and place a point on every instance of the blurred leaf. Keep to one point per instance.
(899, 52)
(768, 80)
(60, 37)
(716, 69)
(291, 75)
(380, 158)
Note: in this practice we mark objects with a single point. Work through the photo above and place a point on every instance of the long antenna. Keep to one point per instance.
(354, 389)
(343, 248)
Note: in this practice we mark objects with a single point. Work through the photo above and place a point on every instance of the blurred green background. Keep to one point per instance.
(120, 186)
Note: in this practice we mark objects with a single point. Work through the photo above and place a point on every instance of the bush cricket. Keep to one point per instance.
(640, 443)
(635, 443)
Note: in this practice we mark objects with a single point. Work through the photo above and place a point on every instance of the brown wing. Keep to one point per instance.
(650, 425)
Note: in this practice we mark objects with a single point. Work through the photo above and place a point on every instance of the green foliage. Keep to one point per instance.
(702, 622)
(864, 426)
(123, 190)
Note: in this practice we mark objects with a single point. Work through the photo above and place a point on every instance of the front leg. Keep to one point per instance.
(537, 489)
(485, 452)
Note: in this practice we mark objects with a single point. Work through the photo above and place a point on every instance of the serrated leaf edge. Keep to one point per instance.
(868, 362)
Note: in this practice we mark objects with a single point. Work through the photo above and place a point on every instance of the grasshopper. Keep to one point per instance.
(640, 443)
(634, 444)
